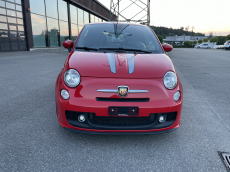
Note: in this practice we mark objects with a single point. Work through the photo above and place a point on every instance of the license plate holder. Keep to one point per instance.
(123, 111)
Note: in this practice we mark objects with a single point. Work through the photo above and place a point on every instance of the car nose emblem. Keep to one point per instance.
(123, 91)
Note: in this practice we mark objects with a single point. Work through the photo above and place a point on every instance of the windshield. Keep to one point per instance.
(118, 36)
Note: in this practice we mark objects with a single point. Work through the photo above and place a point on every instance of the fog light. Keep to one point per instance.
(81, 118)
(176, 96)
(162, 118)
(65, 94)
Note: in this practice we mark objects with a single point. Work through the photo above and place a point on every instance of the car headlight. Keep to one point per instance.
(170, 80)
(72, 78)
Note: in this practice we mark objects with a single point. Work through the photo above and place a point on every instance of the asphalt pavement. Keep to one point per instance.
(31, 138)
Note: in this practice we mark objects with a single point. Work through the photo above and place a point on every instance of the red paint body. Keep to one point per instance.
(95, 74)
(167, 47)
(67, 44)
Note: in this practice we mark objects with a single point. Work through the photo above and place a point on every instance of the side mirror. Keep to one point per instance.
(68, 44)
(167, 47)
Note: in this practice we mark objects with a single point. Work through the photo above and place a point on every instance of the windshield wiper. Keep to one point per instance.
(126, 49)
(86, 48)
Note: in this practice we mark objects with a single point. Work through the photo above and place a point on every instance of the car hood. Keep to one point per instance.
(120, 65)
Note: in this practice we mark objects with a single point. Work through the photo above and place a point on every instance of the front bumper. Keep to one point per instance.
(83, 99)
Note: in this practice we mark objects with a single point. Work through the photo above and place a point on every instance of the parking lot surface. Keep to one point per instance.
(32, 140)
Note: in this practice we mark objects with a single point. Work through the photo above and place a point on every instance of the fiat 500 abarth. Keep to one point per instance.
(117, 79)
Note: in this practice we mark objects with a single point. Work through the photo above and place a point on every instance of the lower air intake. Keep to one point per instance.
(121, 121)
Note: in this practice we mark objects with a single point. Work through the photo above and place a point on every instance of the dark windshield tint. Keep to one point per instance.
(124, 36)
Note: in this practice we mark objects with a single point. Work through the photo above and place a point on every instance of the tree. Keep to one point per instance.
(228, 37)
(205, 40)
(199, 41)
(194, 42)
(214, 39)
(160, 38)
(187, 28)
(181, 28)
(221, 40)
(193, 28)
(186, 43)
(164, 31)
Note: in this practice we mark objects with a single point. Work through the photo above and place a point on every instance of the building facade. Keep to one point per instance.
(179, 40)
(26, 24)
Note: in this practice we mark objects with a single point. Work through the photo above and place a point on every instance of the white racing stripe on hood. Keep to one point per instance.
(131, 62)
(112, 61)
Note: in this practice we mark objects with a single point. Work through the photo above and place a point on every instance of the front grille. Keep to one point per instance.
(121, 121)
(122, 99)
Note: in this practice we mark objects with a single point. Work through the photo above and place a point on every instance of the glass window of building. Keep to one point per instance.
(74, 29)
(3, 19)
(4, 38)
(96, 19)
(2, 11)
(64, 31)
(13, 40)
(3, 34)
(91, 18)
(18, 7)
(22, 41)
(39, 30)
(14, 46)
(53, 31)
(62, 8)
(19, 14)
(51, 8)
(5, 47)
(13, 34)
(9, 36)
(10, 5)
(21, 34)
(73, 14)
(3, 26)
(86, 17)
(2, 3)
(12, 27)
(80, 17)
(11, 13)
(18, 1)
(80, 28)
(37, 7)
(20, 28)
(11, 20)
(19, 21)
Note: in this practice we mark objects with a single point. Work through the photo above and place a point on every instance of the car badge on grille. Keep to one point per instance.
(123, 91)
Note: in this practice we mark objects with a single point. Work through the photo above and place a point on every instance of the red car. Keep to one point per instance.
(117, 79)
